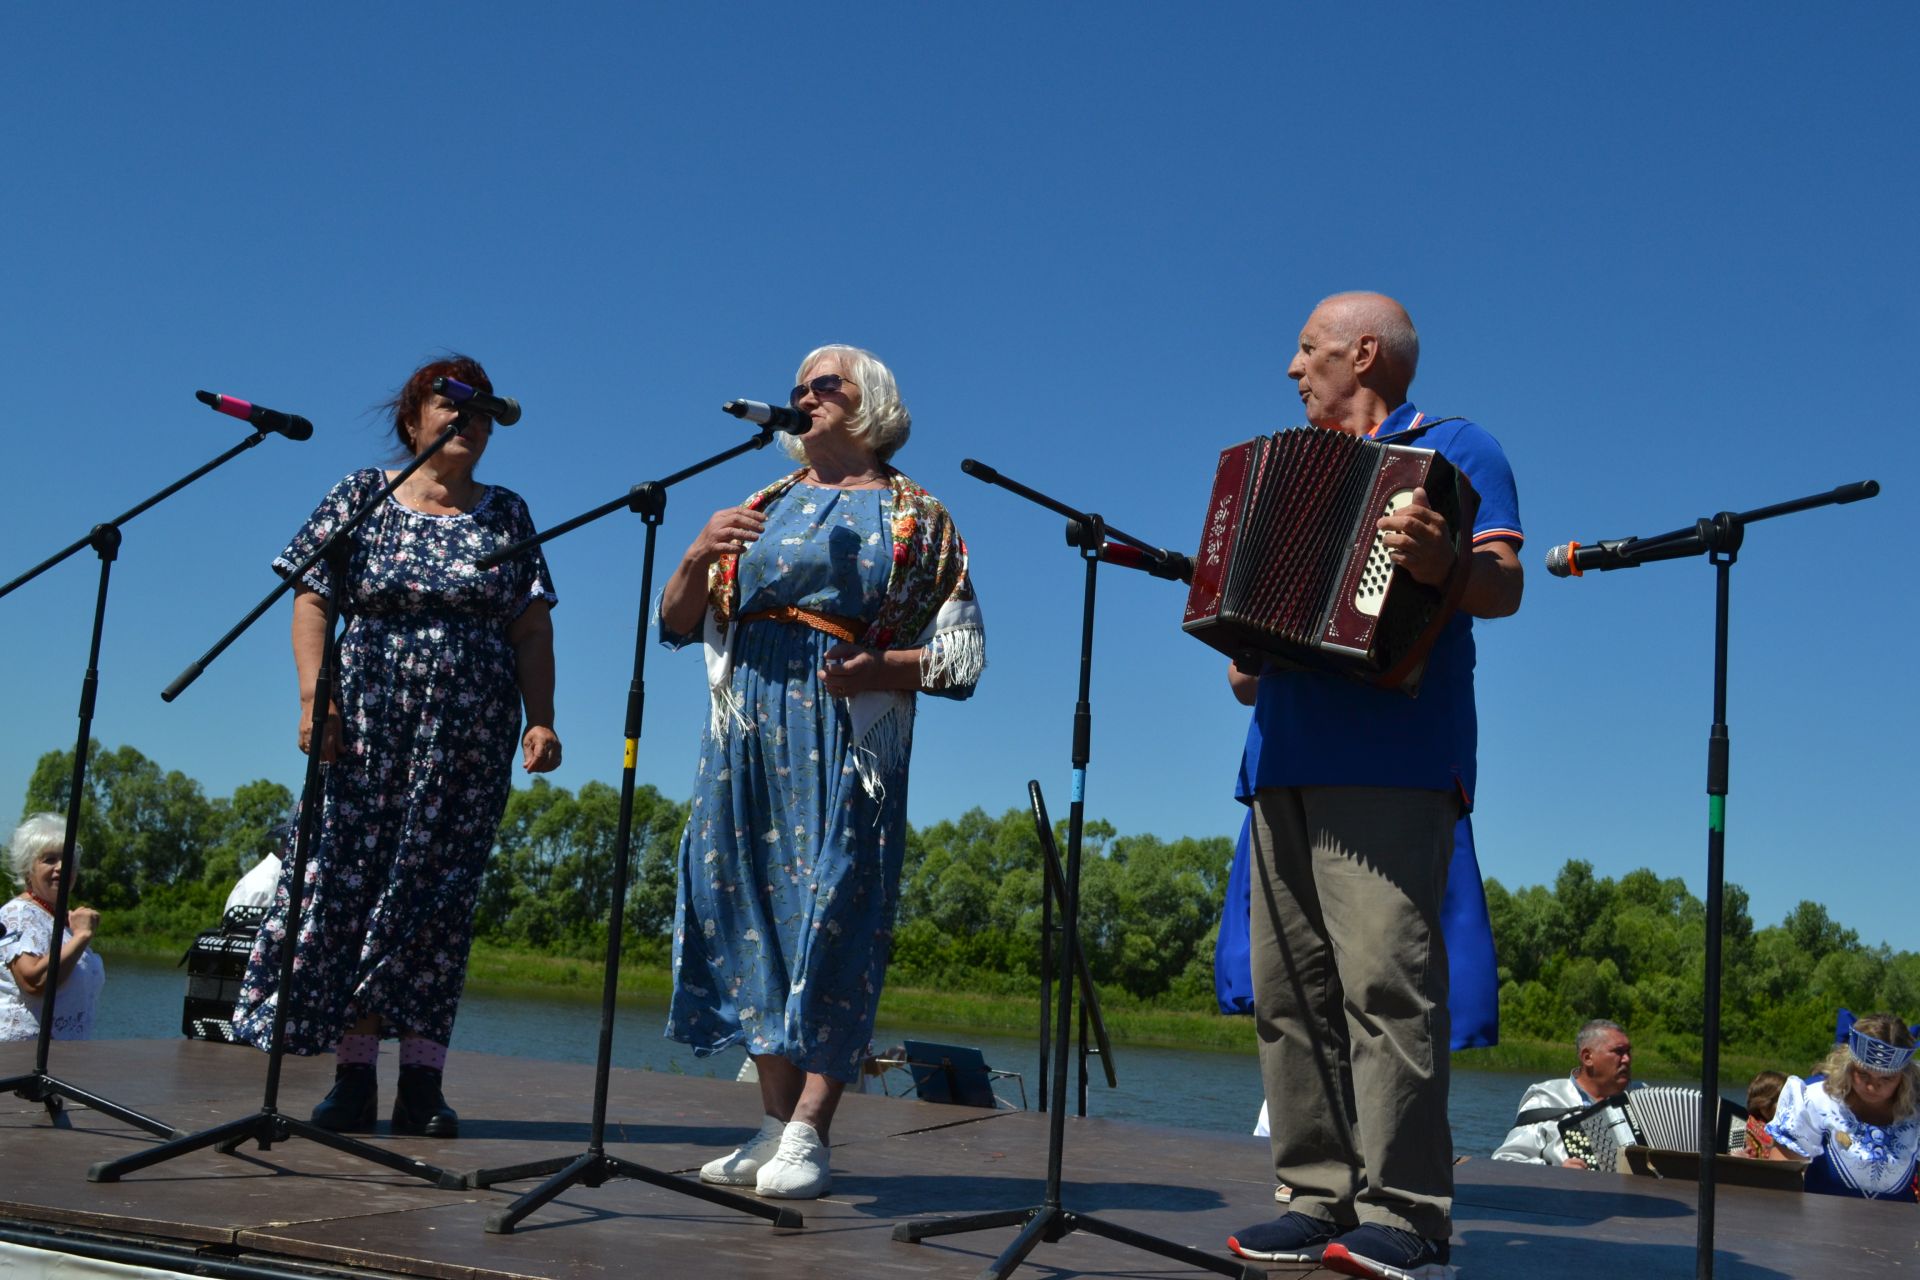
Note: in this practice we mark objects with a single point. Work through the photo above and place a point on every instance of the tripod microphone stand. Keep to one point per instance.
(39, 1085)
(594, 1167)
(1720, 538)
(1054, 888)
(1051, 1220)
(270, 1125)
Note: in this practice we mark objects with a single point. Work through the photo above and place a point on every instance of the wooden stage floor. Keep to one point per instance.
(894, 1160)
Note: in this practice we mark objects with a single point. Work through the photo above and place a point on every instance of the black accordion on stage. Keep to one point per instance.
(1291, 568)
(215, 965)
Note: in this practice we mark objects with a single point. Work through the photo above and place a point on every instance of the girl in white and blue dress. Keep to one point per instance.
(1858, 1126)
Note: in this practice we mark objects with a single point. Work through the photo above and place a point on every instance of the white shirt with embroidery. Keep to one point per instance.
(26, 929)
(1864, 1159)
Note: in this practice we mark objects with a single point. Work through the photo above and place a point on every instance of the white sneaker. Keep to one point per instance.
(738, 1167)
(798, 1171)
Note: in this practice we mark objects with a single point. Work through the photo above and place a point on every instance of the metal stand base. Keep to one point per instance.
(38, 1086)
(1051, 1223)
(593, 1168)
(267, 1127)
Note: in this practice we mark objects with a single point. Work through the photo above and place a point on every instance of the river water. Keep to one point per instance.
(1194, 1089)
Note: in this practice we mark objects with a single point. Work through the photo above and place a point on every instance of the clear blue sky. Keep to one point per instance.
(1665, 253)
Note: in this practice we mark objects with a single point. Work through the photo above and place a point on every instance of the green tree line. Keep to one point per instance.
(161, 855)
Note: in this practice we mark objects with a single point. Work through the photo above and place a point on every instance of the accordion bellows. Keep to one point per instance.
(1664, 1117)
(1292, 568)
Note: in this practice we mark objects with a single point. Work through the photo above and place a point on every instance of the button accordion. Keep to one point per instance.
(1662, 1117)
(1291, 568)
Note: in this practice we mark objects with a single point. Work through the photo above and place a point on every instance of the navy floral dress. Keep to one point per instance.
(430, 703)
(789, 870)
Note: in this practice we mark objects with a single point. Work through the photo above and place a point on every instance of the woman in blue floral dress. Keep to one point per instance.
(825, 602)
(436, 662)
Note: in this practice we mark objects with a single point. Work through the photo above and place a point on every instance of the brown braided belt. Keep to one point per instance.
(848, 629)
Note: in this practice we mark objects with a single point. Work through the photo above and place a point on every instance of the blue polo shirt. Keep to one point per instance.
(1311, 728)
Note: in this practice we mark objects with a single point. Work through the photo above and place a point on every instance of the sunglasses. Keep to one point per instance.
(825, 384)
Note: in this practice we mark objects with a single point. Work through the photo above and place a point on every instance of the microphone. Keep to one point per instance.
(779, 417)
(290, 425)
(504, 410)
(1170, 565)
(1572, 559)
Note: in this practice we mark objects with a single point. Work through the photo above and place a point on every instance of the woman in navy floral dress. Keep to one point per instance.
(825, 603)
(437, 659)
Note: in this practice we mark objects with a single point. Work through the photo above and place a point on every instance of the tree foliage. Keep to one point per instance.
(1634, 950)
(160, 855)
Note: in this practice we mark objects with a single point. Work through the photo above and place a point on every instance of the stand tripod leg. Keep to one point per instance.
(233, 1132)
(1165, 1248)
(581, 1170)
(915, 1232)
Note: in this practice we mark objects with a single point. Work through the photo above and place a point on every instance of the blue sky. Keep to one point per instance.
(1664, 253)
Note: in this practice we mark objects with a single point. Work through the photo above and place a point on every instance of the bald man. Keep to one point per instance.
(1355, 792)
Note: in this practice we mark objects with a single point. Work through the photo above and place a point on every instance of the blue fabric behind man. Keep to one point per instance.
(1474, 997)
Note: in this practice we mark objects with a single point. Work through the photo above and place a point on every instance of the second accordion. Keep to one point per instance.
(1292, 569)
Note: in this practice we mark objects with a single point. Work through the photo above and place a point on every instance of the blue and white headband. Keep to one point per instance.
(1876, 1055)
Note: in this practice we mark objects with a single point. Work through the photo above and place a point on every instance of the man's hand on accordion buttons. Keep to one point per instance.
(1416, 540)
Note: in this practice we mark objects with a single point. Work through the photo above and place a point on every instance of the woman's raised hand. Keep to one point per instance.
(728, 532)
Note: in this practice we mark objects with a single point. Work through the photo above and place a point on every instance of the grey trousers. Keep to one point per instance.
(1350, 1000)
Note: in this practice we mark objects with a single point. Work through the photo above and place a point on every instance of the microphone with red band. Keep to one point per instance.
(1170, 565)
(290, 425)
(504, 410)
(1573, 559)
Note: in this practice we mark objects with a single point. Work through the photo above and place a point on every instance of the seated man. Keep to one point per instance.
(1606, 1068)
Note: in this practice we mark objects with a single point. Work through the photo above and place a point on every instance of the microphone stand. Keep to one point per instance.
(39, 1085)
(270, 1125)
(1055, 887)
(594, 1166)
(1051, 1220)
(1720, 538)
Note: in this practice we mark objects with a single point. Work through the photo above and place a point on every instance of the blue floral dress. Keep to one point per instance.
(789, 870)
(430, 701)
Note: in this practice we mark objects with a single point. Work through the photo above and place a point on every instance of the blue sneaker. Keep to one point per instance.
(1295, 1237)
(1387, 1253)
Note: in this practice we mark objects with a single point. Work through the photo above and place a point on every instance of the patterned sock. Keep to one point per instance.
(418, 1051)
(357, 1051)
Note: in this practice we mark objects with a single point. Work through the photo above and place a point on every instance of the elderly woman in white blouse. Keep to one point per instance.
(26, 940)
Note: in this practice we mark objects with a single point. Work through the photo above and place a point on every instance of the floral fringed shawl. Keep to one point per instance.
(929, 605)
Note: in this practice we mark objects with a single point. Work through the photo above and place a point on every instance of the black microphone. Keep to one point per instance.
(504, 410)
(779, 417)
(290, 425)
(1170, 565)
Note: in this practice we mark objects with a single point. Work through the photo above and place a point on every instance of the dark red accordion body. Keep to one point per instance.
(1291, 567)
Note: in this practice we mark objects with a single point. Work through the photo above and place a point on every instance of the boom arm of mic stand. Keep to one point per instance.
(129, 514)
(286, 584)
(1721, 534)
(648, 495)
(1084, 531)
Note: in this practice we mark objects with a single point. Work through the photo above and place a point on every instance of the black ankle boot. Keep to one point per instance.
(354, 1103)
(420, 1107)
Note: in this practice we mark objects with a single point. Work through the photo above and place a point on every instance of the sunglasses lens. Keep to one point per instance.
(825, 384)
